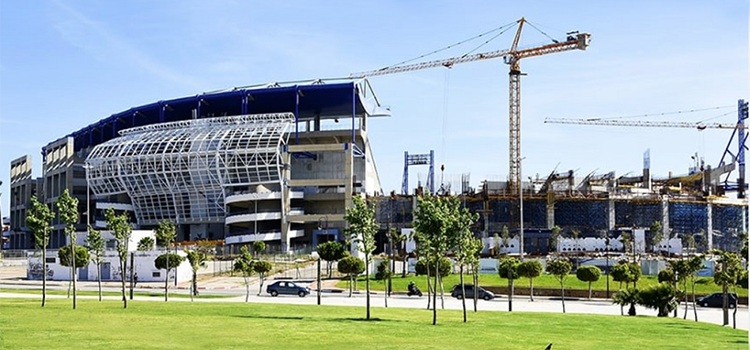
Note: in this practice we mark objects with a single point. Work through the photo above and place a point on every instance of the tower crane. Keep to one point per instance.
(738, 128)
(512, 57)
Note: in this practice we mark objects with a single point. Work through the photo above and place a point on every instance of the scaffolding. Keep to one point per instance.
(181, 171)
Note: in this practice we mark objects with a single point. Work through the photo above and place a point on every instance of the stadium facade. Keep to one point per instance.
(280, 163)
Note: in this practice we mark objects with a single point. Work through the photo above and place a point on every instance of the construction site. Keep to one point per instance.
(281, 162)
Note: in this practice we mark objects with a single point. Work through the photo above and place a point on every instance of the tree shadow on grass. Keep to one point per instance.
(332, 319)
(271, 317)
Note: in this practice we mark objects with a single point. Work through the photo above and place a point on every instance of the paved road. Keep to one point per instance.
(234, 288)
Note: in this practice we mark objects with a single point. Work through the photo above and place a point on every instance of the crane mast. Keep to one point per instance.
(512, 56)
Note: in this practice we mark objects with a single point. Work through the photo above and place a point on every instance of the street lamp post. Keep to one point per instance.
(322, 225)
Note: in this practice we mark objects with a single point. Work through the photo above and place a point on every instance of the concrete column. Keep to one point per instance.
(611, 217)
(285, 200)
(665, 217)
(710, 225)
(550, 211)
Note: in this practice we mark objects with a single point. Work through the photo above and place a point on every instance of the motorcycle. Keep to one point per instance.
(413, 290)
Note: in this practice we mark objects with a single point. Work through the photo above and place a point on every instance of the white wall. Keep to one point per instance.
(144, 268)
(135, 237)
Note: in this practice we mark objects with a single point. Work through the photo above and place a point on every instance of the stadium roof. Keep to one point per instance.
(305, 100)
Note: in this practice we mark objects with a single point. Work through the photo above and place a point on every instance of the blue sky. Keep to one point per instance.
(66, 64)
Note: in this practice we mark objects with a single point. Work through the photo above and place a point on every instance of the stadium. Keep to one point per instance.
(280, 163)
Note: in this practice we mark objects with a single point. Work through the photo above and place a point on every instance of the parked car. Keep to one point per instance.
(717, 299)
(482, 293)
(287, 287)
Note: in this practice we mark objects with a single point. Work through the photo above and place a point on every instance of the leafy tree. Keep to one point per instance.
(505, 236)
(439, 223)
(554, 237)
(635, 273)
(121, 230)
(656, 235)
(37, 221)
(383, 274)
(146, 244)
(81, 259)
(667, 276)
(422, 266)
(95, 245)
(508, 268)
(245, 265)
(362, 229)
(621, 273)
(351, 266)
(590, 274)
(166, 233)
(727, 272)
(262, 267)
(67, 210)
(461, 241)
(695, 264)
(530, 269)
(197, 259)
(497, 245)
(473, 260)
(259, 247)
(626, 240)
(662, 297)
(168, 261)
(688, 242)
(560, 269)
(630, 297)
(331, 251)
(398, 239)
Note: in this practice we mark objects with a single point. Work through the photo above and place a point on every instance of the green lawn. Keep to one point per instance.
(156, 293)
(185, 325)
(704, 285)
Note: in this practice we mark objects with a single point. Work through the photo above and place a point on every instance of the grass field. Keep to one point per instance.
(704, 285)
(185, 325)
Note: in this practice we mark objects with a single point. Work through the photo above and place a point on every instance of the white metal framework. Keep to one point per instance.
(181, 171)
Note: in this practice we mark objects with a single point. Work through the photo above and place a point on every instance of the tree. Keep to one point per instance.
(727, 272)
(331, 251)
(560, 269)
(629, 296)
(530, 269)
(382, 274)
(438, 224)
(37, 221)
(662, 297)
(474, 262)
(67, 210)
(626, 240)
(621, 273)
(121, 230)
(146, 244)
(688, 242)
(635, 273)
(95, 245)
(262, 267)
(362, 229)
(259, 247)
(465, 254)
(168, 261)
(197, 259)
(81, 259)
(351, 266)
(590, 274)
(244, 264)
(695, 264)
(166, 233)
(508, 268)
(423, 266)
(554, 237)
(667, 275)
(497, 245)
(505, 237)
(656, 235)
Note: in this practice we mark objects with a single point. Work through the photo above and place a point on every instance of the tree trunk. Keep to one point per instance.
(631, 311)
(99, 278)
(678, 300)
(442, 292)
(403, 265)
(734, 313)
(531, 288)
(695, 310)
(463, 300)
(562, 293)
(247, 288)
(262, 279)
(367, 283)
(434, 295)
(132, 273)
(73, 264)
(589, 290)
(123, 269)
(510, 295)
(192, 286)
(686, 300)
(44, 275)
(166, 283)
(475, 278)
(429, 288)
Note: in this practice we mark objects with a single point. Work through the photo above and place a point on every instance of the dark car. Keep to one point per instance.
(482, 293)
(287, 287)
(717, 299)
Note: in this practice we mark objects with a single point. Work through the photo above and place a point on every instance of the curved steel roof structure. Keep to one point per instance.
(180, 171)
